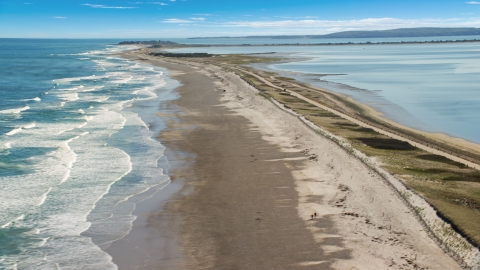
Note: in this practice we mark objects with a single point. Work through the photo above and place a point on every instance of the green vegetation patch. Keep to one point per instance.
(438, 158)
(391, 144)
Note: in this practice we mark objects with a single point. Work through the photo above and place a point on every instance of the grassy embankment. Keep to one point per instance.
(451, 187)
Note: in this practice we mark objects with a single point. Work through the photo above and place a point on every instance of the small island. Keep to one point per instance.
(152, 43)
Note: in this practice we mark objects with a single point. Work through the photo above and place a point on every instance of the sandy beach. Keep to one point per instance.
(246, 178)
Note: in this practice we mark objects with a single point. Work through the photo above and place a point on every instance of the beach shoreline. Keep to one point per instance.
(343, 234)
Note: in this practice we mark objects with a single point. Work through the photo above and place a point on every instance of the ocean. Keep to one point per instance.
(77, 149)
(430, 87)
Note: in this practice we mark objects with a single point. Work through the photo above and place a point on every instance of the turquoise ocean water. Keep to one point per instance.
(432, 87)
(77, 150)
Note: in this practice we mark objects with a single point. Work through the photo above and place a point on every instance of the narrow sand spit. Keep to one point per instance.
(357, 213)
(371, 221)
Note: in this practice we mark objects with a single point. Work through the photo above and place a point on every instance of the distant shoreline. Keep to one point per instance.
(367, 43)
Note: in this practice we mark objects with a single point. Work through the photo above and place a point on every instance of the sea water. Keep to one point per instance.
(77, 150)
(431, 87)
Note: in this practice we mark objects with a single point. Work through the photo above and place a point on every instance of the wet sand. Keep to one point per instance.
(246, 185)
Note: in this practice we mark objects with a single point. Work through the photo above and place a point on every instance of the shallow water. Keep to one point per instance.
(432, 87)
(77, 150)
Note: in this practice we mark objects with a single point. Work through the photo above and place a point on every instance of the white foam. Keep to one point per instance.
(44, 240)
(88, 118)
(44, 197)
(92, 89)
(82, 125)
(65, 130)
(6, 225)
(33, 99)
(69, 96)
(13, 131)
(99, 99)
(76, 79)
(14, 111)
(19, 129)
(71, 88)
(29, 126)
(10, 222)
(7, 145)
(73, 156)
(81, 111)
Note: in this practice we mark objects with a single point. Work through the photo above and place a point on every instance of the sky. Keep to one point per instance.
(212, 18)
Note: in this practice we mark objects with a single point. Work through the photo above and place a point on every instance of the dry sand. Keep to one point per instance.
(252, 176)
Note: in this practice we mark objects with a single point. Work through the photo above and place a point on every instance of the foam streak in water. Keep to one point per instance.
(14, 111)
(72, 156)
(44, 197)
(13, 131)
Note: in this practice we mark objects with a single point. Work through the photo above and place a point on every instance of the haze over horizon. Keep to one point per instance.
(203, 18)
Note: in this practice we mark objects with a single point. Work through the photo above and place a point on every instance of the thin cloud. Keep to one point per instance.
(158, 3)
(59, 17)
(174, 20)
(108, 7)
(473, 3)
(197, 19)
(363, 24)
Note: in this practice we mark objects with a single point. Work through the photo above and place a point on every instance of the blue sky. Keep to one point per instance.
(192, 18)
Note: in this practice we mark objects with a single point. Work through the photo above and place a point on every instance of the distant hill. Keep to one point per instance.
(401, 32)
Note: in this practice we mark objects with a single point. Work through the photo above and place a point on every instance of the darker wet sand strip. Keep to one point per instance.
(237, 208)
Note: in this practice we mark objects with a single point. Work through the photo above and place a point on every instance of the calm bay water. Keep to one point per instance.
(77, 150)
(432, 87)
